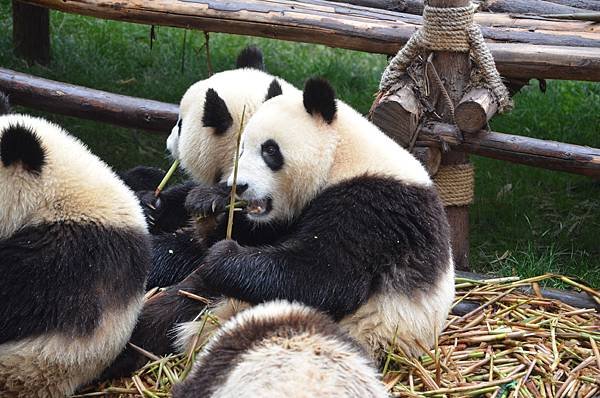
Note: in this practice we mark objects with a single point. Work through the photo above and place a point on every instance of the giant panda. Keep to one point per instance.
(281, 349)
(204, 141)
(74, 254)
(368, 241)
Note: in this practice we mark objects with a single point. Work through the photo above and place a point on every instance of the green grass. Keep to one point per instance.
(524, 220)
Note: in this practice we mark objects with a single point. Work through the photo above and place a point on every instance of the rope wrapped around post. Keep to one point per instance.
(449, 29)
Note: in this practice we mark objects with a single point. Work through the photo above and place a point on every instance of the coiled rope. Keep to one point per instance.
(449, 29)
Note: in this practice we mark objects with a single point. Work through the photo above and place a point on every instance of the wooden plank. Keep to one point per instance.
(526, 7)
(87, 103)
(351, 27)
(529, 151)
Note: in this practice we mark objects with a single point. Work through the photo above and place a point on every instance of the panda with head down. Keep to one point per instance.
(74, 253)
(366, 238)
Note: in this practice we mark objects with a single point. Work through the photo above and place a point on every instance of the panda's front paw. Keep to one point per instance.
(204, 200)
(151, 205)
(220, 257)
(223, 249)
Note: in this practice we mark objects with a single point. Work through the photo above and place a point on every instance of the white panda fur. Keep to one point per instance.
(280, 349)
(331, 156)
(74, 251)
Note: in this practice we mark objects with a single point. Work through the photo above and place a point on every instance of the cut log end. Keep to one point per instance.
(475, 109)
(397, 115)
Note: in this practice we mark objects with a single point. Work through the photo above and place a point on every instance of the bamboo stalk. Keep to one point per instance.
(235, 171)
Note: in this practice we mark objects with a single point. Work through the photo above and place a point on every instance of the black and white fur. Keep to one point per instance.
(74, 253)
(282, 350)
(368, 241)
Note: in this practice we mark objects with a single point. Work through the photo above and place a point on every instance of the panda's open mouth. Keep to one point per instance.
(259, 207)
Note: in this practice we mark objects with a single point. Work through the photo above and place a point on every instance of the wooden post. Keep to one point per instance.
(453, 69)
(31, 32)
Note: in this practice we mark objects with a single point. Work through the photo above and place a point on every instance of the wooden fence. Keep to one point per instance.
(556, 39)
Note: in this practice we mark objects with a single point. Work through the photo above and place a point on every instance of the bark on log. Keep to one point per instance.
(592, 5)
(529, 151)
(86, 103)
(414, 7)
(31, 32)
(391, 5)
(475, 109)
(347, 26)
(536, 7)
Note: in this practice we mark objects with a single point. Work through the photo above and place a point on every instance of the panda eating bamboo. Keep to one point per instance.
(367, 239)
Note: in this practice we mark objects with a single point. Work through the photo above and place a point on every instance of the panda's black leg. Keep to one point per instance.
(154, 330)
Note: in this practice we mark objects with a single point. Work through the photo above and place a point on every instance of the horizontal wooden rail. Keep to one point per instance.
(519, 53)
(121, 110)
(87, 103)
(551, 155)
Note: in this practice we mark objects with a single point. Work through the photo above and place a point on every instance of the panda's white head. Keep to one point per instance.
(297, 144)
(210, 113)
(48, 176)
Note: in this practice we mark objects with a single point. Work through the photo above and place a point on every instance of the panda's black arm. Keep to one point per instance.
(297, 273)
(329, 261)
(167, 213)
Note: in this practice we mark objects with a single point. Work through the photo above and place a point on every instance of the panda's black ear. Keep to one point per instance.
(250, 57)
(274, 90)
(21, 145)
(319, 98)
(216, 114)
(4, 104)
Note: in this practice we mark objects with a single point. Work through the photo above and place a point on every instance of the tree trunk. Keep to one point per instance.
(31, 32)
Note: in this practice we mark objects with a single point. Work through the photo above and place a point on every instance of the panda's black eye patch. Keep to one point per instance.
(272, 155)
(179, 127)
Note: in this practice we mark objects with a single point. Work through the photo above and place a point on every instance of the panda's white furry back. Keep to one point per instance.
(369, 241)
(279, 349)
(74, 254)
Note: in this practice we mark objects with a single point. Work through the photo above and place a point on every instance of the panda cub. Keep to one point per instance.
(285, 350)
(204, 141)
(74, 253)
(368, 241)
